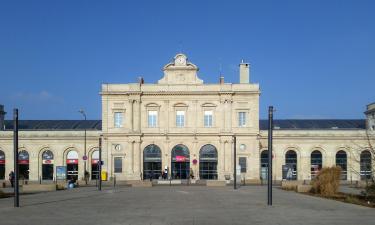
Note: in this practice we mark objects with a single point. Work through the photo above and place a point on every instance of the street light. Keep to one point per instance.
(84, 155)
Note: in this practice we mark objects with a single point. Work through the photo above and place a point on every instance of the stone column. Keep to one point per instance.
(137, 159)
(137, 115)
(131, 123)
(221, 161)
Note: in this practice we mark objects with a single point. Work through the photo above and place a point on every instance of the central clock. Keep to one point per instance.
(180, 60)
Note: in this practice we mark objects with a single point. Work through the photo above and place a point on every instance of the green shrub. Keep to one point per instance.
(327, 182)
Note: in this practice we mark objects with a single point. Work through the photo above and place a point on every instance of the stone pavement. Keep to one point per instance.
(180, 205)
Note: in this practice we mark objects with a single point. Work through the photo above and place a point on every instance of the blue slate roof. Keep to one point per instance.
(286, 124)
(321, 124)
(55, 124)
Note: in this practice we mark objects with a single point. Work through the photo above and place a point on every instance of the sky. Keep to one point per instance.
(312, 59)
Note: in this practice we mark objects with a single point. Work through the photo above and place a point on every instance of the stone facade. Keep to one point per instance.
(181, 110)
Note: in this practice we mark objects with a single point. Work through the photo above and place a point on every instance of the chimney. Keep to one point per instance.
(2, 117)
(370, 117)
(244, 73)
(221, 80)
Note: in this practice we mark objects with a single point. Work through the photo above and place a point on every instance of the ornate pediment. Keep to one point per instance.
(180, 71)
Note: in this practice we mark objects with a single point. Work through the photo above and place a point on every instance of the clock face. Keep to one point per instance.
(243, 147)
(118, 147)
(180, 60)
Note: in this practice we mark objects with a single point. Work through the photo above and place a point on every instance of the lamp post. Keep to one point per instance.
(84, 161)
(270, 129)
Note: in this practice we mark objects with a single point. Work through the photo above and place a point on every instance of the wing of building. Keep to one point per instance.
(181, 127)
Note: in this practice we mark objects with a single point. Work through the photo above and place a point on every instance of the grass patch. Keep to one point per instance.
(347, 198)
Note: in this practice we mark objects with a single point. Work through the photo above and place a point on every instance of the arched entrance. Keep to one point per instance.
(341, 161)
(316, 163)
(47, 165)
(95, 165)
(208, 163)
(23, 164)
(72, 165)
(2, 165)
(366, 165)
(264, 165)
(291, 162)
(151, 162)
(180, 163)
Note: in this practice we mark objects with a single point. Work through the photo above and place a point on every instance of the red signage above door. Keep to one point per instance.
(23, 161)
(72, 161)
(180, 158)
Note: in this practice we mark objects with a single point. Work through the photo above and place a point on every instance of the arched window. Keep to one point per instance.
(316, 163)
(264, 164)
(47, 155)
(95, 165)
(208, 162)
(180, 163)
(72, 155)
(341, 161)
(2, 165)
(23, 164)
(366, 165)
(47, 165)
(72, 165)
(151, 162)
(291, 163)
(23, 155)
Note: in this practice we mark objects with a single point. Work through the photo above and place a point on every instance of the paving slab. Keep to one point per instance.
(180, 205)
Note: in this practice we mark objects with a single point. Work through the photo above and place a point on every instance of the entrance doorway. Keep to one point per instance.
(151, 162)
(2, 165)
(180, 163)
(47, 165)
(95, 165)
(208, 163)
(23, 165)
(72, 165)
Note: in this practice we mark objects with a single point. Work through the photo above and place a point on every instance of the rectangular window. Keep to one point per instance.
(242, 119)
(207, 118)
(242, 163)
(118, 164)
(180, 118)
(118, 119)
(152, 118)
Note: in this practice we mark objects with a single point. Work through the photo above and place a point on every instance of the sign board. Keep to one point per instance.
(180, 158)
(48, 161)
(195, 161)
(72, 161)
(238, 174)
(60, 172)
(2, 161)
(23, 161)
(287, 172)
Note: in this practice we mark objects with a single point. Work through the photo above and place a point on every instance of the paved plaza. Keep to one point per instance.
(179, 205)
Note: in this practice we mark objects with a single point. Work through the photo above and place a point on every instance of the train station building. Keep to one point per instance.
(183, 126)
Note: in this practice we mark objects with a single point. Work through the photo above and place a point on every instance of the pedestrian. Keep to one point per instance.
(11, 178)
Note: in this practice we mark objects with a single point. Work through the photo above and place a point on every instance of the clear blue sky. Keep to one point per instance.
(312, 59)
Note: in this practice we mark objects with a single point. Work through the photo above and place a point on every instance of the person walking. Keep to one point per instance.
(11, 178)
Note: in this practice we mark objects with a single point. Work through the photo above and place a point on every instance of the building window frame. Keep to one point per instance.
(180, 118)
(118, 119)
(208, 117)
(242, 118)
(242, 160)
(117, 168)
(152, 118)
